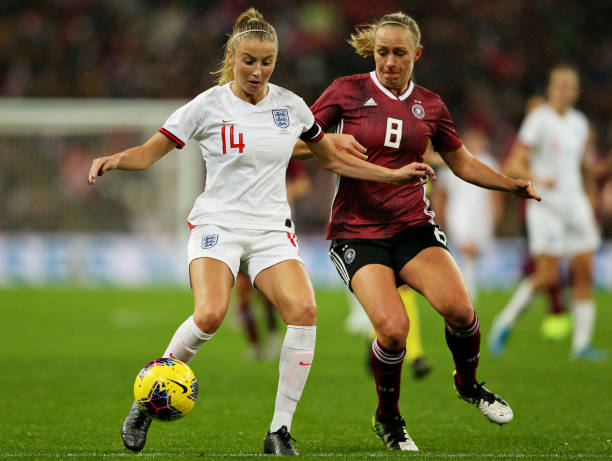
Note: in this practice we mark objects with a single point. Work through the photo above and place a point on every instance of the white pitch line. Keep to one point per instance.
(317, 455)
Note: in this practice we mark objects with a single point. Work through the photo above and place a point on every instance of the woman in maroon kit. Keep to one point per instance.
(384, 236)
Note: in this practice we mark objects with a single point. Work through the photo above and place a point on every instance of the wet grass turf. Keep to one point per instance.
(71, 355)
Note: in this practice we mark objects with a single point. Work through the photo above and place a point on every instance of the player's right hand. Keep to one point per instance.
(524, 188)
(414, 173)
(101, 165)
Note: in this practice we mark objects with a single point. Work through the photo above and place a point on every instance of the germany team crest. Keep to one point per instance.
(281, 117)
(418, 111)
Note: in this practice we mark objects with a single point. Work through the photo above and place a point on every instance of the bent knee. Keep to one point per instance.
(393, 334)
(303, 314)
(459, 315)
(208, 320)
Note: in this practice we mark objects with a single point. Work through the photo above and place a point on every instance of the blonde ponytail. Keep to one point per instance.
(250, 23)
(363, 38)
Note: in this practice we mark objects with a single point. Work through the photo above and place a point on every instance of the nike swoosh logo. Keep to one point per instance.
(302, 363)
(182, 385)
(226, 121)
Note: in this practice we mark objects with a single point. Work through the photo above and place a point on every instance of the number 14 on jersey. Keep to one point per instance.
(232, 143)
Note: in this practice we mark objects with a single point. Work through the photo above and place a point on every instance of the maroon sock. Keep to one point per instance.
(554, 296)
(249, 323)
(464, 344)
(387, 369)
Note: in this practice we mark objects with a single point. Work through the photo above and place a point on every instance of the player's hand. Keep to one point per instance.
(101, 165)
(348, 143)
(414, 173)
(525, 189)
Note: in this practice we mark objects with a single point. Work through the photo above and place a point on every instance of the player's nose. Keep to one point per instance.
(390, 62)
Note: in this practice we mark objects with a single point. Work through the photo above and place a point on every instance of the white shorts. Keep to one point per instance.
(469, 229)
(254, 250)
(566, 230)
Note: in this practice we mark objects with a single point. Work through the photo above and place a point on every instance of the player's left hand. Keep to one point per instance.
(414, 173)
(525, 189)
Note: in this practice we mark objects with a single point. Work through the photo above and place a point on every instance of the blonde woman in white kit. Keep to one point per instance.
(550, 150)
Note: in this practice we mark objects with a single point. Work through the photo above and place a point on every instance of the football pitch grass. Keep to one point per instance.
(71, 356)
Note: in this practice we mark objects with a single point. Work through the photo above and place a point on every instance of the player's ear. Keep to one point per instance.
(418, 53)
(230, 57)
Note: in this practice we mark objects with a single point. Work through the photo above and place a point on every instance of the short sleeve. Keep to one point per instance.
(327, 109)
(311, 131)
(445, 139)
(530, 131)
(184, 123)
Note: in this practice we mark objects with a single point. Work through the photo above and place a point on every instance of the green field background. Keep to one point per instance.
(71, 356)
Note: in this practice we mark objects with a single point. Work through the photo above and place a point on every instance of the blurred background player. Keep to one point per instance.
(298, 185)
(550, 150)
(557, 324)
(469, 214)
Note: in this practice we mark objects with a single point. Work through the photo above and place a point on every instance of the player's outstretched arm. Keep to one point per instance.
(346, 164)
(472, 170)
(342, 141)
(136, 158)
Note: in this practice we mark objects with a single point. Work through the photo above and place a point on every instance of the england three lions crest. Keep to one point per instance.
(281, 117)
(209, 241)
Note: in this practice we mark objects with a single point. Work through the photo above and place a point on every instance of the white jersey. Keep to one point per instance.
(557, 144)
(563, 224)
(469, 209)
(246, 148)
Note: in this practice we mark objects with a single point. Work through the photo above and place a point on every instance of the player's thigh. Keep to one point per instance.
(366, 266)
(288, 287)
(211, 282)
(276, 269)
(434, 273)
(375, 287)
(351, 255)
(213, 254)
(546, 272)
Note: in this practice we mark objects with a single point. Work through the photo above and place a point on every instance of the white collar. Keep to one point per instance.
(385, 90)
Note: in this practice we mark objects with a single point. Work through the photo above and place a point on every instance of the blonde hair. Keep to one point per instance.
(251, 23)
(363, 38)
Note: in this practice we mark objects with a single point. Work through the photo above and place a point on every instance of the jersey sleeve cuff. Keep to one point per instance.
(314, 134)
(179, 144)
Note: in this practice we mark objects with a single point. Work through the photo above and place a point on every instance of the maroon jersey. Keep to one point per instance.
(395, 131)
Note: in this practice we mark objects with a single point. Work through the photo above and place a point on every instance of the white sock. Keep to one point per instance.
(517, 304)
(584, 320)
(187, 341)
(296, 357)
